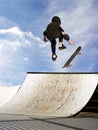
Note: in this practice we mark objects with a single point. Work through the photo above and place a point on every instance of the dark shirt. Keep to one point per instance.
(53, 31)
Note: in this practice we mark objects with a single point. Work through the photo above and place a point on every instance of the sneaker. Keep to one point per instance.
(54, 56)
(62, 47)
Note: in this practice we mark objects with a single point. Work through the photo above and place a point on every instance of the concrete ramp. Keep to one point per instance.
(52, 94)
(6, 93)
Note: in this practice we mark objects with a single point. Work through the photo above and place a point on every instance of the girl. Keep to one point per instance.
(53, 31)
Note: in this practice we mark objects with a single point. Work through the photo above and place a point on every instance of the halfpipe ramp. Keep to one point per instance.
(52, 94)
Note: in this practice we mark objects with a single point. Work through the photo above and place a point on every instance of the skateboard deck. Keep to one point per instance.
(77, 51)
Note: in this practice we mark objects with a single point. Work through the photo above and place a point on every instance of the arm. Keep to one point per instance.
(44, 36)
(67, 38)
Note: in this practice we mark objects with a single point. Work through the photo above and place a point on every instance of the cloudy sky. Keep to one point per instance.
(22, 50)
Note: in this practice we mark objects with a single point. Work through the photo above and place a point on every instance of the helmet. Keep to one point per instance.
(56, 19)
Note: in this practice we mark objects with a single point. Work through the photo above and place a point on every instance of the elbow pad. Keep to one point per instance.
(66, 37)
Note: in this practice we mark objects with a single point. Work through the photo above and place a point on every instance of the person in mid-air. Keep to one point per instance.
(54, 31)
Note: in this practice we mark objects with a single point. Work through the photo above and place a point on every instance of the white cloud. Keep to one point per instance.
(14, 37)
(17, 51)
(25, 58)
(13, 30)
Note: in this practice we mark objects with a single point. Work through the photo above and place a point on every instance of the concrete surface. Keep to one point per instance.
(22, 122)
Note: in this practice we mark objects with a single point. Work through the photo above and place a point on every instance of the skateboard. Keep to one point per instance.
(77, 51)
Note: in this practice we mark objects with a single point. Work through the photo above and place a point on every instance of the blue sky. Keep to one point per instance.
(22, 23)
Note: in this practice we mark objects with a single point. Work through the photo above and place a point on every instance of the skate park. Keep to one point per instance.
(51, 101)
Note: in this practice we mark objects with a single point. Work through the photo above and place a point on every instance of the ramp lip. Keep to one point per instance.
(62, 72)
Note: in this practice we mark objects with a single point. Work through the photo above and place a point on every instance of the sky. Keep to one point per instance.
(22, 49)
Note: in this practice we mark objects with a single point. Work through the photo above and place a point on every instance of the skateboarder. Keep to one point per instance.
(53, 31)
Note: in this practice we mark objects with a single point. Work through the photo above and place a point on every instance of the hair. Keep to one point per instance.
(56, 19)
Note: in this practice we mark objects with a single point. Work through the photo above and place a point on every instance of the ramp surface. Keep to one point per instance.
(6, 93)
(52, 94)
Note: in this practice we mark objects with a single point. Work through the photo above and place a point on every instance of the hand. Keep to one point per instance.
(45, 40)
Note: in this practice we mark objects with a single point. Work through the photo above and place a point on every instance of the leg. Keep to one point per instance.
(61, 46)
(53, 46)
(53, 49)
(61, 38)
